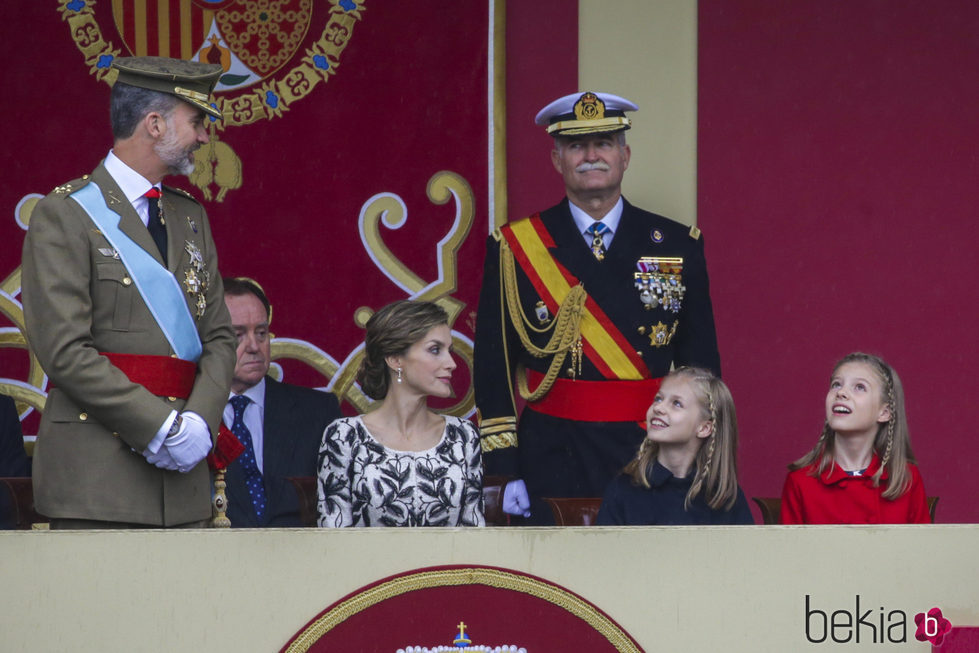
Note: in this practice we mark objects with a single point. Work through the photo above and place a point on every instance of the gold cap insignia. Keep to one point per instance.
(589, 107)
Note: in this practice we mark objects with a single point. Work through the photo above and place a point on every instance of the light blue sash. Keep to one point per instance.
(158, 287)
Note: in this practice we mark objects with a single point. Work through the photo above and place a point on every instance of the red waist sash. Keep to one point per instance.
(164, 376)
(595, 401)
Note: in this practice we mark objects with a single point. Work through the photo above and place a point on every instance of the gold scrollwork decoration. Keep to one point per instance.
(29, 393)
(443, 187)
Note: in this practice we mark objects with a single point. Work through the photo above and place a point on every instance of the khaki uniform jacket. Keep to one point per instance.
(79, 301)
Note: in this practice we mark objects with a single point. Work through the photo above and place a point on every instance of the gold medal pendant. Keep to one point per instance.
(661, 335)
(543, 315)
(196, 278)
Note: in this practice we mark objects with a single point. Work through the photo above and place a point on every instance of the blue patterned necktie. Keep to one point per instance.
(253, 477)
(597, 230)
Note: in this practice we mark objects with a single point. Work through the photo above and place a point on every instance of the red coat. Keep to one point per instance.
(844, 499)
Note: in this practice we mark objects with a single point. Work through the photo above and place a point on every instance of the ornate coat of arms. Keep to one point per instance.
(274, 53)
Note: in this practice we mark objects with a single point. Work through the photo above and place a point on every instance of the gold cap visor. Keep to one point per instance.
(578, 127)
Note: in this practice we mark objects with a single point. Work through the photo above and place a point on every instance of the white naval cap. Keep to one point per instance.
(586, 113)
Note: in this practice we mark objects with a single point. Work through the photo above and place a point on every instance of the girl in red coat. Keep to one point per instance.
(861, 470)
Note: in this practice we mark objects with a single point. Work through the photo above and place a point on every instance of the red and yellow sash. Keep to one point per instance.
(602, 343)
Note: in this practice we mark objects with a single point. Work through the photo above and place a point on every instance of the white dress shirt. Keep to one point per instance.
(133, 185)
(610, 219)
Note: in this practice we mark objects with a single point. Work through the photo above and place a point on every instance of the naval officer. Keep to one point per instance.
(584, 307)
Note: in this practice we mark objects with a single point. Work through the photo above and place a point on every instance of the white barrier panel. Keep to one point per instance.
(671, 588)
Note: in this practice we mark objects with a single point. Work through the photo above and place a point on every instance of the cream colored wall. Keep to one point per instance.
(673, 589)
(646, 51)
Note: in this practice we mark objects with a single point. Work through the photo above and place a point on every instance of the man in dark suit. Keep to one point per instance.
(281, 425)
(584, 307)
(123, 308)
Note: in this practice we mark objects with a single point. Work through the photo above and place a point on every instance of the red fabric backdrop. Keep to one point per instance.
(836, 179)
(406, 99)
(837, 194)
(541, 65)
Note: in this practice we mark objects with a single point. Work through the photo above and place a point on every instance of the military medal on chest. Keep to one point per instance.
(659, 281)
(543, 315)
(196, 278)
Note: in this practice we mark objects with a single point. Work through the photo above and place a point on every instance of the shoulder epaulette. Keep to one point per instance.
(67, 189)
(181, 191)
(695, 233)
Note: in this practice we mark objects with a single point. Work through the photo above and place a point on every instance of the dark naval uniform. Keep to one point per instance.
(650, 307)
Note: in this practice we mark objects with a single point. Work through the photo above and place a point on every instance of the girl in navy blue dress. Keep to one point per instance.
(685, 471)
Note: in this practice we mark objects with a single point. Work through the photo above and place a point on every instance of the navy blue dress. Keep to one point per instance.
(626, 504)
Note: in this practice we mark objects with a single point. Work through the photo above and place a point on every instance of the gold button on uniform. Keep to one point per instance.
(83, 416)
(171, 398)
(126, 281)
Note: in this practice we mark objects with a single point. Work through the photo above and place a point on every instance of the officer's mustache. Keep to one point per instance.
(596, 165)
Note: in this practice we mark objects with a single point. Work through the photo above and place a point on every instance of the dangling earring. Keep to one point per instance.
(399, 375)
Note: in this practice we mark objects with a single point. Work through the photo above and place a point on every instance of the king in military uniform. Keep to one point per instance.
(584, 307)
(124, 308)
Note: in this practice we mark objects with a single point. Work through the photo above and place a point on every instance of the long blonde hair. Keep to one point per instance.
(716, 462)
(892, 442)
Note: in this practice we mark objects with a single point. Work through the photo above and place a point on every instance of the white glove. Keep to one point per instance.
(191, 444)
(515, 499)
(156, 453)
(161, 459)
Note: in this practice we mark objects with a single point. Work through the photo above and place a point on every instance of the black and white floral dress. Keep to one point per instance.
(364, 483)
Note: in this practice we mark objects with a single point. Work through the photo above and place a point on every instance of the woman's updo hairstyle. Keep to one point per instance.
(392, 331)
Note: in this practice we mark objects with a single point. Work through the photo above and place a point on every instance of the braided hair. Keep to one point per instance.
(716, 475)
(892, 443)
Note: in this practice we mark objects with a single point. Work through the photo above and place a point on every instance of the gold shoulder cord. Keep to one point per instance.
(565, 336)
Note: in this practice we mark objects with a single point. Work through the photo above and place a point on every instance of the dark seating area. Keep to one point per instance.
(574, 511)
(21, 493)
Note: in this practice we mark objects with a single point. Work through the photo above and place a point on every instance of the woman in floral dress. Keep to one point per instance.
(402, 464)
